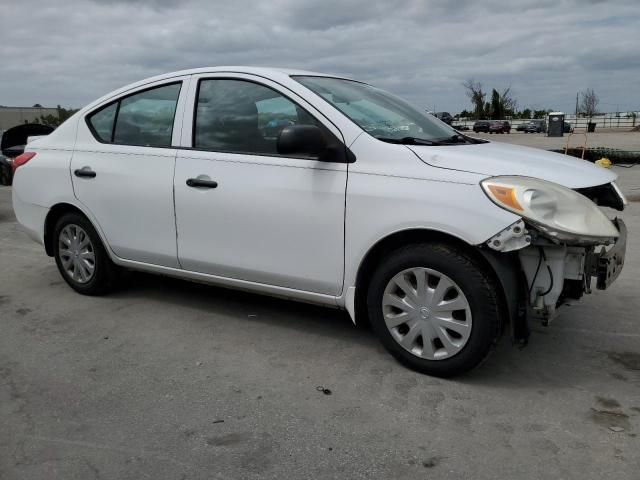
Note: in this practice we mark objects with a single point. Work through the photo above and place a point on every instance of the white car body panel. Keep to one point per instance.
(53, 181)
(132, 199)
(131, 183)
(282, 226)
(270, 220)
(381, 203)
(495, 158)
(269, 216)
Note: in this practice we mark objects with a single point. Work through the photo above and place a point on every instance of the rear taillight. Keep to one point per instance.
(22, 159)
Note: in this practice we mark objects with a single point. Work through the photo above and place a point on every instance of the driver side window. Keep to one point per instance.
(240, 116)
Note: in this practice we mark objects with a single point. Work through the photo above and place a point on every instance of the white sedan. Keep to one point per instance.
(326, 190)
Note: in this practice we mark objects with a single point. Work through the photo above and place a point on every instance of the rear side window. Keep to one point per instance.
(145, 118)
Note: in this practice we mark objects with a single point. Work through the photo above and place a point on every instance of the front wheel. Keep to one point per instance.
(81, 257)
(435, 309)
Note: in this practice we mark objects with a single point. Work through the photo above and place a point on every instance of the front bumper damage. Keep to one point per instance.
(607, 264)
(552, 272)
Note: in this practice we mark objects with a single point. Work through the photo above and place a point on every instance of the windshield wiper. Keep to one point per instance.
(409, 141)
(459, 138)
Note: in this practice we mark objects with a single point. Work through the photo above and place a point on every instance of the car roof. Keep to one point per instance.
(240, 69)
(269, 72)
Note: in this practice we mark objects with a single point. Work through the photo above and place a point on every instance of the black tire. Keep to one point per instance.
(106, 274)
(476, 284)
(5, 175)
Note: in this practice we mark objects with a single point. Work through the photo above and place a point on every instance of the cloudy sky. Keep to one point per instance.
(70, 52)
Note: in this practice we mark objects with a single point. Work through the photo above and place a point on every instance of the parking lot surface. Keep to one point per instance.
(609, 139)
(173, 380)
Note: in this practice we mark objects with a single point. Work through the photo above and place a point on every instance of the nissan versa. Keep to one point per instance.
(326, 190)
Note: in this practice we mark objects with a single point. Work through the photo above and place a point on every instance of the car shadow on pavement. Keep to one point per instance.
(544, 364)
(246, 307)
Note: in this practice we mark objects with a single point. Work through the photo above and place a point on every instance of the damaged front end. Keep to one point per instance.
(562, 242)
(554, 272)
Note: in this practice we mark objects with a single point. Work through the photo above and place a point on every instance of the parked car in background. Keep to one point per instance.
(446, 117)
(6, 171)
(481, 126)
(499, 126)
(567, 128)
(522, 126)
(12, 144)
(535, 126)
(5, 167)
(442, 241)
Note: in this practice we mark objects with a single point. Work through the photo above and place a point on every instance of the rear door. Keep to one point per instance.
(270, 219)
(122, 171)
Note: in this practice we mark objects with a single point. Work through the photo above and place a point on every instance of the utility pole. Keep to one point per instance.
(577, 93)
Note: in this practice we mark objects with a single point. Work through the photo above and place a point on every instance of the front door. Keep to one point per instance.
(245, 212)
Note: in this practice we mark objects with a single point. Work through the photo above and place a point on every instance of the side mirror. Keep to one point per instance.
(310, 141)
(307, 140)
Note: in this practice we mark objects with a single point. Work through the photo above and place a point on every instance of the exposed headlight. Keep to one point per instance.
(557, 211)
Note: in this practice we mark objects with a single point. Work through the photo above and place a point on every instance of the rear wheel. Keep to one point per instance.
(81, 257)
(434, 308)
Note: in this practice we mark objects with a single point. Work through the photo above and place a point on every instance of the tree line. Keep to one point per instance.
(502, 104)
(55, 120)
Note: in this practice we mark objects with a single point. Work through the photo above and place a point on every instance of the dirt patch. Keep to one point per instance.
(431, 462)
(629, 360)
(618, 376)
(608, 402)
(609, 418)
(227, 440)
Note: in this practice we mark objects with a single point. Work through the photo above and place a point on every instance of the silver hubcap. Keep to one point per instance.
(427, 313)
(76, 253)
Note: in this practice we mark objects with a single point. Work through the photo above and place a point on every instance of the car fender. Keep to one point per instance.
(416, 196)
(32, 207)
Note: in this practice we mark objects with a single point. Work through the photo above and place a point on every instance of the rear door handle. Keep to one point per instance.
(84, 172)
(201, 183)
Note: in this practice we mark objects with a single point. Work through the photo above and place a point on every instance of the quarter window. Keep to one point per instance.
(243, 117)
(145, 118)
(102, 122)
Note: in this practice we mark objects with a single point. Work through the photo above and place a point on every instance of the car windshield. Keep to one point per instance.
(380, 113)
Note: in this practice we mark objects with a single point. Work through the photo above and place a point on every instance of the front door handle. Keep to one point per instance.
(84, 172)
(202, 183)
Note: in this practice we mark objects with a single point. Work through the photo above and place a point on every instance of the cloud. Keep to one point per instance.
(420, 49)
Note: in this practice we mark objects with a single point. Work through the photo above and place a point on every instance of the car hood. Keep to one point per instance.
(495, 158)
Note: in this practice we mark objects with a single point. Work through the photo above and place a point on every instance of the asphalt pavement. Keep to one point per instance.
(168, 379)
